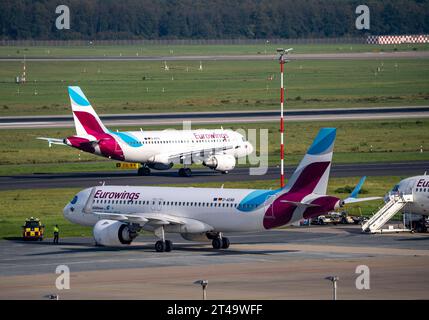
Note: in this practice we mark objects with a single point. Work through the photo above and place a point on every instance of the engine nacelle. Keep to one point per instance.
(113, 233)
(223, 162)
(160, 162)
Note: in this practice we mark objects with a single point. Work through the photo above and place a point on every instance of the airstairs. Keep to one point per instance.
(394, 205)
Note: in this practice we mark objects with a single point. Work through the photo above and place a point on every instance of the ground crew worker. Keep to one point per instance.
(56, 234)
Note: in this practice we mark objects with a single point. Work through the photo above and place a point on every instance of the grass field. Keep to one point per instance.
(47, 204)
(138, 87)
(22, 153)
(167, 50)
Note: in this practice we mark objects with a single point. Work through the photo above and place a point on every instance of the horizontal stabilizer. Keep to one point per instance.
(52, 141)
(353, 198)
(356, 200)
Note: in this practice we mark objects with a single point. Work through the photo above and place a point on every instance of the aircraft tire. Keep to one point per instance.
(168, 245)
(216, 243)
(225, 243)
(160, 246)
(185, 172)
(143, 171)
(181, 172)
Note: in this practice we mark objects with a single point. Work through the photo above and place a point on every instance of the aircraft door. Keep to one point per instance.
(408, 190)
(156, 204)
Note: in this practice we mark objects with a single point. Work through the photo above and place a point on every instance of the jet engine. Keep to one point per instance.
(223, 162)
(113, 233)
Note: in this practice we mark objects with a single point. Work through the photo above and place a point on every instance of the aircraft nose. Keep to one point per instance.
(66, 210)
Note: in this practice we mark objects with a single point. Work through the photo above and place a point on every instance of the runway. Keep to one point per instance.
(291, 263)
(292, 56)
(245, 116)
(89, 179)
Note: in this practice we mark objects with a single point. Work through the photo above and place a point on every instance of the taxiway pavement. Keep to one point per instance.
(89, 179)
(279, 264)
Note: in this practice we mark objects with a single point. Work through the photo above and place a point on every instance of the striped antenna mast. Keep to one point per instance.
(282, 61)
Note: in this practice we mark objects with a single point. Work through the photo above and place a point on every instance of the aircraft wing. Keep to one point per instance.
(142, 218)
(156, 220)
(52, 141)
(199, 152)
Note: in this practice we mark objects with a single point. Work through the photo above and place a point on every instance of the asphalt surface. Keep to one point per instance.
(292, 263)
(80, 254)
(292, 56)
(245, 116)
(89, 179)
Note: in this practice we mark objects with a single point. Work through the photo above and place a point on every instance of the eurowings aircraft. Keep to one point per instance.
(160, 150)
(417, 190)
(118, 213)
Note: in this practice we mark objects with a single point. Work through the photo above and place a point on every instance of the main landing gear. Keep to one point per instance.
(163, 245)
(220, 242)
(143, 171)
(185, 172)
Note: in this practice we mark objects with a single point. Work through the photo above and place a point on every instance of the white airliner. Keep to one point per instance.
(417, 188)
(160, 150)
(118, 213)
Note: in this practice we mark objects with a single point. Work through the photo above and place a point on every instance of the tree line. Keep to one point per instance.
(208, 19)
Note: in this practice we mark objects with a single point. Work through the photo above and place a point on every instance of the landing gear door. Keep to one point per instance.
(269, 206)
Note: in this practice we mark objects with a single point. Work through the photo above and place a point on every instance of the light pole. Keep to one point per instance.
(334, 280)
(282, 61)
(203, 284)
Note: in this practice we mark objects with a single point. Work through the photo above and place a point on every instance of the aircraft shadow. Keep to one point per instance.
(100, 175)
(208, 251)
(423, 238)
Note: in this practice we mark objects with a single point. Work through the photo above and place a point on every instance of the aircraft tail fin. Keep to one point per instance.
(312, 174)
(85, 118)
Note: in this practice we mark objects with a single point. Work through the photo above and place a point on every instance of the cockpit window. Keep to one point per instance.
(396, 188)
(74, 200)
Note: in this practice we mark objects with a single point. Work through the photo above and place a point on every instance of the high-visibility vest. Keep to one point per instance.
(56, 229)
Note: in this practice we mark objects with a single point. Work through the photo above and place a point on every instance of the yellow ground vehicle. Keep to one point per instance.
(33, 229)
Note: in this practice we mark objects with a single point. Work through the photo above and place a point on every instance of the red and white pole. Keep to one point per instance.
(282, 96)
